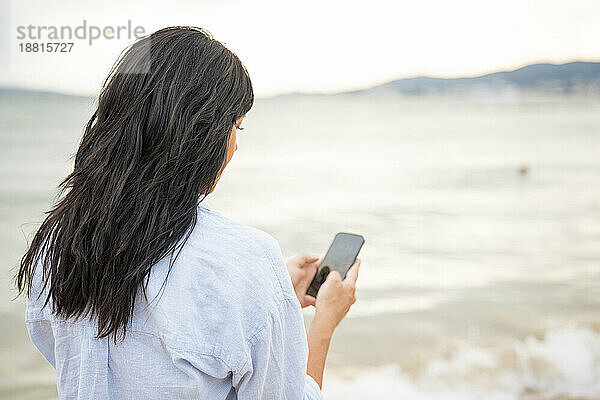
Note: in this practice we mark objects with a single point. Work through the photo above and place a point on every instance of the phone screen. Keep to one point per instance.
(341, 255)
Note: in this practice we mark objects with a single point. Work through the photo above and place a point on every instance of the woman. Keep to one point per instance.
(135, 288)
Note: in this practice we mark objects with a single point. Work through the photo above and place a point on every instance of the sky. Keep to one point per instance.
(313, 46)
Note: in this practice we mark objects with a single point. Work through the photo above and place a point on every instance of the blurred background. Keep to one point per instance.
(462, 139)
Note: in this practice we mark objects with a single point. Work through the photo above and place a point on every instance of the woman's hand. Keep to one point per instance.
(333, 302)
(302, 269)
(336, 296)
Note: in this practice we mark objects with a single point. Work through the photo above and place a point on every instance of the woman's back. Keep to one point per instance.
(225, 324)
(135, 289)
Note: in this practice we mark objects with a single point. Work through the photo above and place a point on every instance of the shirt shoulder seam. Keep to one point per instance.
(260, 330)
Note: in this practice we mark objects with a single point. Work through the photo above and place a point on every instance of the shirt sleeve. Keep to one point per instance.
(40, 333)
(312, 391)
(277, 365)
(38, 324)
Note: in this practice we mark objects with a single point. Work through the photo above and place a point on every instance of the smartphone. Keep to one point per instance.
(341, 255)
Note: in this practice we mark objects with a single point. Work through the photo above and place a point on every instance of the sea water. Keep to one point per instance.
(481, 267)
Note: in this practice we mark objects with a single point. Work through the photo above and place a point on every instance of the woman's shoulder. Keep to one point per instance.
(228, 281)
(239, 255)
(211, 224)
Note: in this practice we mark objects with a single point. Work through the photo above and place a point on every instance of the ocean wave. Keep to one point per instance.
(563, 364)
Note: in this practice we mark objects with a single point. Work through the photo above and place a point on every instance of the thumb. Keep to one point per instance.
(334, 275)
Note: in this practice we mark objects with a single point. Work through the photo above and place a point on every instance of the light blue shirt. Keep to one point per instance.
(226, 325)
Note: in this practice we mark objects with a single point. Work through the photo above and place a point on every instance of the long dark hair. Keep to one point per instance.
(152, 150)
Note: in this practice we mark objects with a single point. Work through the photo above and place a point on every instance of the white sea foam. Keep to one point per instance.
(565, 363)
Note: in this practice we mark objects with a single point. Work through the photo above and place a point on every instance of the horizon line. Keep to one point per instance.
(327, 93)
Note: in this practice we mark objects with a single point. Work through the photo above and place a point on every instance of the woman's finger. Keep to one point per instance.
(334, 275)
(352, 274)
(308, 301)
(304, 258)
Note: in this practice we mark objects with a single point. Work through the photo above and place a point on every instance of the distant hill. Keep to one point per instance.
(556, 78)
(574, 77)
(22, 92)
